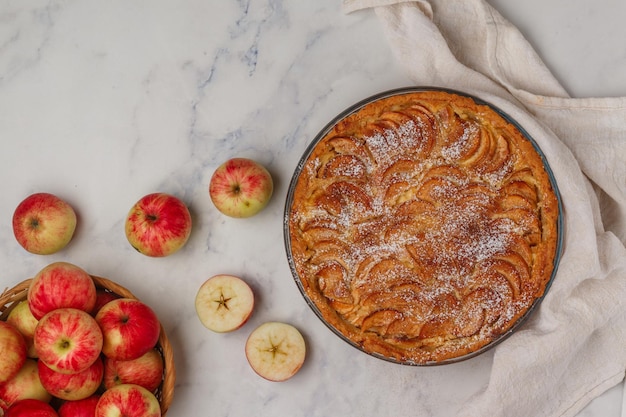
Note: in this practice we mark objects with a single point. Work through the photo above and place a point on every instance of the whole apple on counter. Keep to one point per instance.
(146, 370)
(240, 187)
(275, 351)
(158, 225)
(43, 223)
(68, 340)
(26, 384)
(224, 303)
(61, 285)
(128, 400)
(12, 351)
(79, 408)
(31, 407)
(130, 328)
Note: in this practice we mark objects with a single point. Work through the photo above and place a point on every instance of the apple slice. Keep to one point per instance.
(275, 351)
(224, 303)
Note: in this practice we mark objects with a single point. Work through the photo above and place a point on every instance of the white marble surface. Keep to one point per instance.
(103, 102)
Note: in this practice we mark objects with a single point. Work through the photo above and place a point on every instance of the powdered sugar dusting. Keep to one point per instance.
(417, 230)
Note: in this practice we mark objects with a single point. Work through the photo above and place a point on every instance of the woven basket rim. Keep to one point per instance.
(165, 393)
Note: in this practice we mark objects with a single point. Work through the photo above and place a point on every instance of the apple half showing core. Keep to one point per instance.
(224, 303)
(275, 351)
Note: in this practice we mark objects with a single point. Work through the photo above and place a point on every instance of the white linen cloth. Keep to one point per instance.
(573, 348)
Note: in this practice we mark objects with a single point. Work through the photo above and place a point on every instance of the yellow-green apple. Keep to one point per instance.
(24, 321)
(128, 400)
(130, 328)
(275, 351)
(146, 370)
(72, 387)
(224, 303)
(68, 340)
(158, 225)
(31, 407)
(240, 187)
(26, 384)
(79, 408)
(43, 223)
(12, 351)
(61, 285)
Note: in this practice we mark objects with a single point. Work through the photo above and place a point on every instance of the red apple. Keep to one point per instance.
(240, 187)
(146, 370)
(61, 285)
(128, 400)
(275, 351)
(80, 408)
(26, 384)
(68, 340)
(12, 351)
(31, 408)
(23, 320)
(158, 225)
(130, 328)
(72, 387)
(43, 223)
(103, 296)
(224, 303)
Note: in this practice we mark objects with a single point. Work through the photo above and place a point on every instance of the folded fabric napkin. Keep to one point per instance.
(573, 348)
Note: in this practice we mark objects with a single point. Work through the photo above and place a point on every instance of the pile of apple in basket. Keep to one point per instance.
(73, 344)
(69, 345)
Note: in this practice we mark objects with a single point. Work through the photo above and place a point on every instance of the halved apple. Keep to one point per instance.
(224, 303)
(275, 351)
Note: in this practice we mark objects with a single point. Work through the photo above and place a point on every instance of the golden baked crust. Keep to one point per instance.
(423, 226)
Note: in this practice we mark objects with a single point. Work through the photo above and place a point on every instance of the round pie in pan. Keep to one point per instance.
(423, 225)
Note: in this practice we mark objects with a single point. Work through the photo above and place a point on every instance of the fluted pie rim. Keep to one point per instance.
(354, 109)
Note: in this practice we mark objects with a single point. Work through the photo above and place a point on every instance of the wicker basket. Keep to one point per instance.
(165, 393)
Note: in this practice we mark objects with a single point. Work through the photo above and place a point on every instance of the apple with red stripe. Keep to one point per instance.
(75, 386)
(128, 400)
(130, 328)
(240, 187)
(158, 225)
(80, 408)
(12, 351)
(68, 340)
(43, 223)
(61, 285)
(25, 384)
(146, 370)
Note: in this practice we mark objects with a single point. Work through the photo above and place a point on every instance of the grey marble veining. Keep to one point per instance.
(103, 102)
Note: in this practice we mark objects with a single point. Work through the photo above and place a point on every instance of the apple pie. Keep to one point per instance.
(422, 226)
